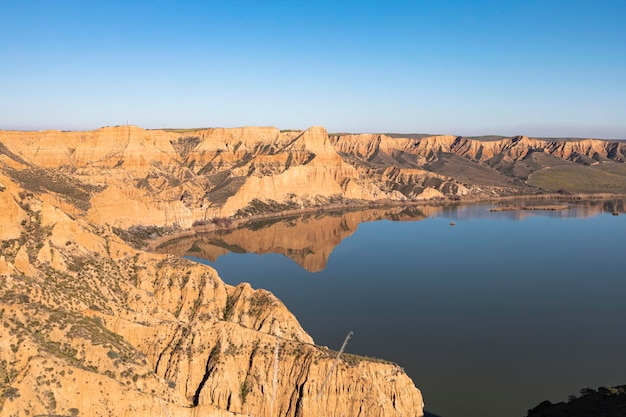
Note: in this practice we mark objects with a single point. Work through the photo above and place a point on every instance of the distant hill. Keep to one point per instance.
(127, 176)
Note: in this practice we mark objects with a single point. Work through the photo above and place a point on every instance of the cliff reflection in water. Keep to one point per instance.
(309, 239)
(489, 317)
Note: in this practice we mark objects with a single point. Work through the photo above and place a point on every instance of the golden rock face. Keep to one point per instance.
(127, 176)
(92, 326)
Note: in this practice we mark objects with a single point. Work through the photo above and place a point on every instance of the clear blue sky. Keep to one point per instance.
(533, 67)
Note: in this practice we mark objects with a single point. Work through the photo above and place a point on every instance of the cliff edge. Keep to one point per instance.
(94, 327)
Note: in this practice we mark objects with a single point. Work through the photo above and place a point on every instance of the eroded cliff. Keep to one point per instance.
(91, 326)
(128, 176)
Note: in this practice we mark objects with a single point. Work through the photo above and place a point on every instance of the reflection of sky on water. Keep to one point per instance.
(580, 209)
(489, 317)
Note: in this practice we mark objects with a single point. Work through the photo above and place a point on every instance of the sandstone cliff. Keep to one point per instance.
(93, 327)
(127, 176)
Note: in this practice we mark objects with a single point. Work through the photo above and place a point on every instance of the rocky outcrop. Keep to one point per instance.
(605, 401)
(424, 149)
(91, 326)
(12, 213)
(129, 146)
(323, 176)
(129, 176)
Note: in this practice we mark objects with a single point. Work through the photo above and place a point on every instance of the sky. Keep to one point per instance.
(544, 68)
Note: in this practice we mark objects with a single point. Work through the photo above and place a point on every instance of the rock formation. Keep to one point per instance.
(605, 401)
(93, 326)
(127, 176)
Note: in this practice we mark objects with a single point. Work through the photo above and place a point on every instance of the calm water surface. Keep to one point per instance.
(489, 317)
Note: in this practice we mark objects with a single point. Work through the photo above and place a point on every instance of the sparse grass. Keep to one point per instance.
(11, 393)
(228, 308)
(256, 207)
(260, 302)
(223, 187)
(139, 236)
(352, 359)
(601, 178)
(42, 180)
(220, 222)
(185, 145)
(245, 389)
(187, 130)
(487, 138)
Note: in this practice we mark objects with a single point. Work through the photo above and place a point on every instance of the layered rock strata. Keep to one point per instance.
(91, 326)
(127, 176)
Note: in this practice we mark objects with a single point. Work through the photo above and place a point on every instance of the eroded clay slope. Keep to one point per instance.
(127, 176)
(92, 327)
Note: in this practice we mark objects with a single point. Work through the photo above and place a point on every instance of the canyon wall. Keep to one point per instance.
(93, 327)
(127, 176)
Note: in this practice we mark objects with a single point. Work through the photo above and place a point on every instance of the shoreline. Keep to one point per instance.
(229, 223)
(549, 207)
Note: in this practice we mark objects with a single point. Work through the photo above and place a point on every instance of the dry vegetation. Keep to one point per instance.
(600, 178)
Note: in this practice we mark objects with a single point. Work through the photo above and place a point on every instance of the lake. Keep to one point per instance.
(489, 316)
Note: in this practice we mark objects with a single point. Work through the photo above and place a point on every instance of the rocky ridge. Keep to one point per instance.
(127, 176)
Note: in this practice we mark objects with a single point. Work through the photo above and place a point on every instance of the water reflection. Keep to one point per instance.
(489, 317)
(309, 239)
